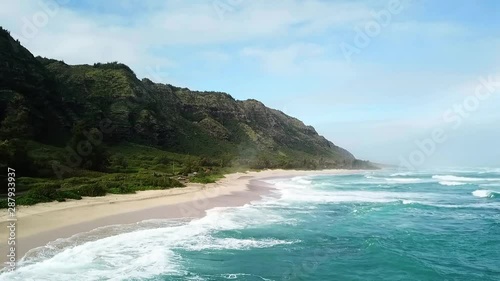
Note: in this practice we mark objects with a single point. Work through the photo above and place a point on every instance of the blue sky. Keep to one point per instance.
(378, 102)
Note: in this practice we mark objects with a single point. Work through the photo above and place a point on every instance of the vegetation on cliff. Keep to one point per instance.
(87, 130)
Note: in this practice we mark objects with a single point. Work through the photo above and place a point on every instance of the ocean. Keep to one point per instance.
(376, 225)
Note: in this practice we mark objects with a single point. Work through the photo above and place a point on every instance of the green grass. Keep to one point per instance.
(206, 178)
(140, 157)
(48, 190)
(133, 168)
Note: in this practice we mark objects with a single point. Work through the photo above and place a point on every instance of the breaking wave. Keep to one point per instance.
(451, 183)
(483, 193)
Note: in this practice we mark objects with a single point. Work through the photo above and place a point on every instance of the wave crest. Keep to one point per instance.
(451, 183)
(403, 180)
(451, 178)
(484, 193)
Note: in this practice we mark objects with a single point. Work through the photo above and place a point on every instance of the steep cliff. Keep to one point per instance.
(49, 102)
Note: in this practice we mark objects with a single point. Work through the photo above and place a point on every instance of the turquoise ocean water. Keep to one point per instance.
(381, 225)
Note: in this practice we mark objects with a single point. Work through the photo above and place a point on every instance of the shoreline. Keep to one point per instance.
(46, 222)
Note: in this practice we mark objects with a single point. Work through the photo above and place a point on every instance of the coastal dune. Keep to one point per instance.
(42, 223)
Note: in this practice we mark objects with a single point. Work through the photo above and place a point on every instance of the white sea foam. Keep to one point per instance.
(490, 171)
(153, 248)
(455, 178)
(301, 180)
(132, 255)
(402, 174)
(396, 179)
(145, 253)
(244, 276)
(292, 193)
(296, 182)
(483, 193)
(494, 206)
(349, 196)
(462, 179)
(451, 183)
(210, 243)
(337, 197)
(310, 195)
(403, 180)
(490, 185)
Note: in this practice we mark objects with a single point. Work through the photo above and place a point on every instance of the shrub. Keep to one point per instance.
(70, 194)
(162, 160)
(41, 192)
(92, 190)
(118, 160)
(123, 189)
(206, 178)
(25, 200)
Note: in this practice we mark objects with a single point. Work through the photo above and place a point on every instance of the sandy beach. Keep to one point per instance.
(42, 223)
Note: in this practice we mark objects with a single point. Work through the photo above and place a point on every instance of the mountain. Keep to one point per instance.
(52, 112)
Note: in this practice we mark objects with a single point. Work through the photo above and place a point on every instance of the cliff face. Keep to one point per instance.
(26, 93)
(44, 100)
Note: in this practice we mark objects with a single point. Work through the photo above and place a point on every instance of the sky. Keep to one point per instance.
(409, 82)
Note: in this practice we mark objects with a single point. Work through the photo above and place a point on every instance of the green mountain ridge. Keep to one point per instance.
(47, 103)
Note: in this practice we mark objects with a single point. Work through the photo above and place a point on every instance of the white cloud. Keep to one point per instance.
(85, 37)
(300, 59)
(288, 60)
(292, 39)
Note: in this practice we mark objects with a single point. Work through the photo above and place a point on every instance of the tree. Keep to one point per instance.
(16, 124)
(91, 150)
(13, 154)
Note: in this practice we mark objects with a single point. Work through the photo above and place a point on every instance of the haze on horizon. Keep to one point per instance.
(387, 80)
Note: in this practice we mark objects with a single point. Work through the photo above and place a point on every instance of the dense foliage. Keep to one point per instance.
(87, 130)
